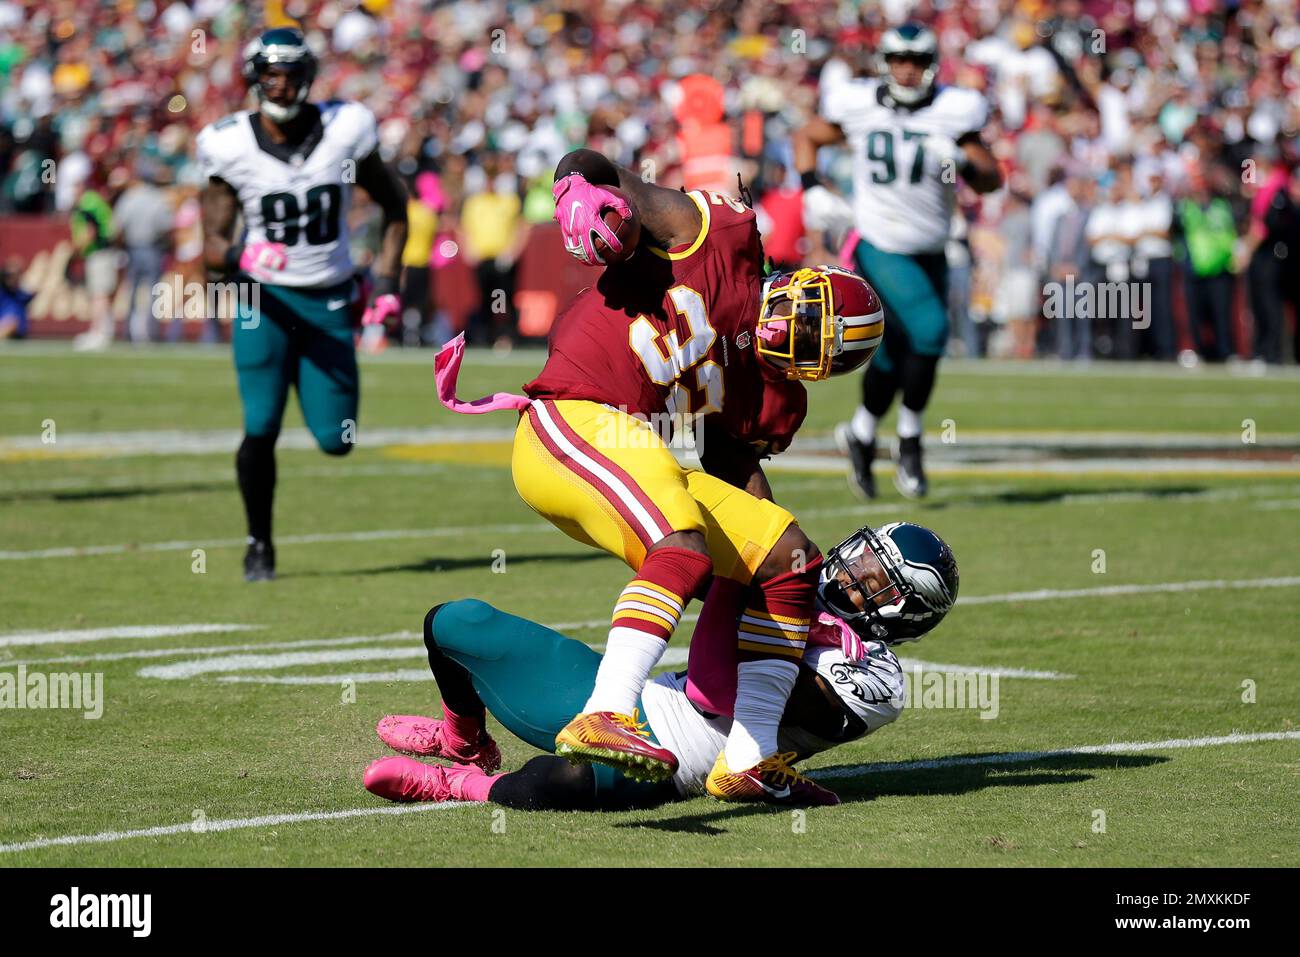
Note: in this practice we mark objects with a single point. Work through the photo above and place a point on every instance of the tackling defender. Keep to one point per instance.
(910, 139)
(878, 588)
(692, 331)
(289, 167)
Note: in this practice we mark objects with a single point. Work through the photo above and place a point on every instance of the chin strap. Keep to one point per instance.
(286, 113)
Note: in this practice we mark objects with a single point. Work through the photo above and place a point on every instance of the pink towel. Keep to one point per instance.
(446, 369)
(846, 250)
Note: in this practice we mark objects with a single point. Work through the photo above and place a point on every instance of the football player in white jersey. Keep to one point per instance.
(910, 140)
(288, 168)
(879, 587)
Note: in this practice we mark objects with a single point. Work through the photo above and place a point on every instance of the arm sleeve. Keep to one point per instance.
(367, 136)
(205, 153)
(970, 116)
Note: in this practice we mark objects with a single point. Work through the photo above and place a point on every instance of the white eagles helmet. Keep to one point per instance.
(912, 40)
(903, 576)
(282, 46)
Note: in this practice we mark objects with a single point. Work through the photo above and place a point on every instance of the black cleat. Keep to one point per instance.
(909, 476)
(259, 561)
(861, 455)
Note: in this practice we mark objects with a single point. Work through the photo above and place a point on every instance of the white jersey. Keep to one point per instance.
(301, 198)
(876, 687)
(901, 203)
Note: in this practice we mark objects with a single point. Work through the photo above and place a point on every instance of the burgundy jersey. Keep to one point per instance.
(674, 332)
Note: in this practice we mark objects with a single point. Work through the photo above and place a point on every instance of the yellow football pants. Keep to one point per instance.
(606, 478)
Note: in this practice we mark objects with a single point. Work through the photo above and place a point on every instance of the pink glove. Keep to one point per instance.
(579, 209)
(260, 260)
(835, 633)
(379, 310)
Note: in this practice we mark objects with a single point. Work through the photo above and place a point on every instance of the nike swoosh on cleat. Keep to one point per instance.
(781, 794)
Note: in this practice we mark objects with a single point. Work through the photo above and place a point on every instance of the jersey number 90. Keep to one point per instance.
(283, 217)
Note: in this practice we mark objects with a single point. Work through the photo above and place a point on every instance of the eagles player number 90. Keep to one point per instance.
(283, 216)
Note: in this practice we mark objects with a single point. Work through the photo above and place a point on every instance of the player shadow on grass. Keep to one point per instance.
(442, 563)
(1050, 496)
(950, 779)
(920, 781)
(104, 494)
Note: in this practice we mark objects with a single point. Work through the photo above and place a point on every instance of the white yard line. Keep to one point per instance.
(79, 635)
(77, 551)
(1001, 672)
(673, 657)
(1142, 466)
(228, 824)
(357, 677)
(185, 670)
(1040, 440)
(278, 820)
(1020, 757)
(210, 441)
(219, 352)
(177, 480)
(1052, 594)
(182, 670)
(209, 650)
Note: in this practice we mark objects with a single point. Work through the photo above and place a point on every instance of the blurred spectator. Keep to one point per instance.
(13, 301)
(1267, 255)
(144, 222)
(1045, 212)
(1208, 237)
(1017, 296)
(425, 203)
(92, 241)
(494, 232)
(957, 252)
(1112, 234)
(1153, 262)
(1069, 263)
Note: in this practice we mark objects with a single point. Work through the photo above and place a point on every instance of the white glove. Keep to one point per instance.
(824, 211)
(943, 157)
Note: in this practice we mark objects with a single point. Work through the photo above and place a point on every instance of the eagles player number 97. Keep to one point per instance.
(910, 139)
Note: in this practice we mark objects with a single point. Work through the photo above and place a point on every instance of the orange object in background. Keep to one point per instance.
(537, 309)
(705, 140)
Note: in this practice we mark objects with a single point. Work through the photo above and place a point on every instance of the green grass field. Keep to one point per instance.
(99, 529)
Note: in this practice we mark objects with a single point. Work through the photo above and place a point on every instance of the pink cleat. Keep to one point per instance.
(429, 737)
(408, 780)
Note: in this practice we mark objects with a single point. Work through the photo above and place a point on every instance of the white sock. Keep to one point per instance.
(909, 423)
(863, 425)
(762, 690)
(630, 655)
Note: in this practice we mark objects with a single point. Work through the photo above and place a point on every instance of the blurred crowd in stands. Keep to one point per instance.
(1144, 141)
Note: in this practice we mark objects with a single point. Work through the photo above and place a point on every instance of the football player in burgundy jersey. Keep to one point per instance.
(685, 325)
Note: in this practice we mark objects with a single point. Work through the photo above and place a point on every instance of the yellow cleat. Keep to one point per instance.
(619, 740)
(772, 781)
